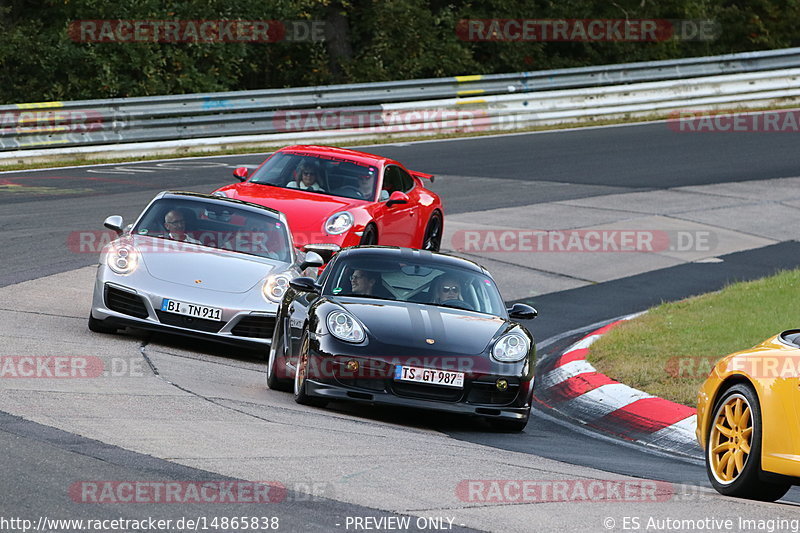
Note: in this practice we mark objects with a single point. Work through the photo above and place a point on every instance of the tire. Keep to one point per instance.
(273, 382)
(370, 236)
(432, 240)
(509, 426)
(100, 326)
(300, 395)
(738, 413)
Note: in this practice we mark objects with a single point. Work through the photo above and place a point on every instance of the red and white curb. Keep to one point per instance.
(577, 390)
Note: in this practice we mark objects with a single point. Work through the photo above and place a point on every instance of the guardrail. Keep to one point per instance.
(463, 103)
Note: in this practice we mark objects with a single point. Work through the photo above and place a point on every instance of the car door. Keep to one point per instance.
(397, 224)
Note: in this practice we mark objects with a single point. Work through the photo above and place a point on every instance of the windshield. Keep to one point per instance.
(425, 282)
(216, 225)
(323, 175)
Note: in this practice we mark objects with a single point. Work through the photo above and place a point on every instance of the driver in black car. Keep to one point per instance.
(446, 288)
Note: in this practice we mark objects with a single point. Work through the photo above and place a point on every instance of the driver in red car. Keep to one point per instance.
(366, 185)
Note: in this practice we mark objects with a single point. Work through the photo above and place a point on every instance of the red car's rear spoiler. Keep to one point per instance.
(422, 175)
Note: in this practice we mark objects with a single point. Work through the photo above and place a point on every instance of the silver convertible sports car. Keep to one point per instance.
(198, 265)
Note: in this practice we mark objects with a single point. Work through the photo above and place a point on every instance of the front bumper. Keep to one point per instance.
(122, 305)
(374, 384)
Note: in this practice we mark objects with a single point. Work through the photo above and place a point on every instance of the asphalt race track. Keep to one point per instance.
(203, 413)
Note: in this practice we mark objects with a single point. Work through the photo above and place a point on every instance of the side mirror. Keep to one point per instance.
(241, 173)
(312, 259)
(114, 223)
(522, 312)
(396, 198)
(304, 285)
(324, 250)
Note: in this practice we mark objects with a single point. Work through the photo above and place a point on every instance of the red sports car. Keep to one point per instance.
(334, 196)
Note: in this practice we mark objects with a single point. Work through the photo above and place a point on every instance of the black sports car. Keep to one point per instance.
(396, 326)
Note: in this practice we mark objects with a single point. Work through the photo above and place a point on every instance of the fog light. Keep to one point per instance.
(501, 384)
(351, 366)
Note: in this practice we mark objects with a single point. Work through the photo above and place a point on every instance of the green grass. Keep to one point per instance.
(271, 146)
(647, 352)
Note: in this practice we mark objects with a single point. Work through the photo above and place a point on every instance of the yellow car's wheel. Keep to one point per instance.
(733, 452)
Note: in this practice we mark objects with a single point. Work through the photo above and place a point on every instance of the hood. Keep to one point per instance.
(306, 212)
(218, 270)
(453, 331)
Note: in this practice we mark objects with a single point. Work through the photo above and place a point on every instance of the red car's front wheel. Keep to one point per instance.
(369, 237)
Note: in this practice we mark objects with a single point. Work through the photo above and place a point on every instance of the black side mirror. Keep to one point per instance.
(114, 223)
(522, 312)
(312, 259)
(304, 285)
(241, 173)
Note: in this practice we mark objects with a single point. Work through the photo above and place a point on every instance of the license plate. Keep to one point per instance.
(192, 310)
(429, 375)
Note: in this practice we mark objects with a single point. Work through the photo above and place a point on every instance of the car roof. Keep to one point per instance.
(223, 200)
(344, 153)
(399, 253)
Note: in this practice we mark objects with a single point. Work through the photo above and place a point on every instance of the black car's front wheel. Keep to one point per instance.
(301, 375)
(277, 360)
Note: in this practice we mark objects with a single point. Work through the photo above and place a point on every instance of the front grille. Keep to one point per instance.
(427, 392)
(260, 327)
(188, 322)
(124, 302)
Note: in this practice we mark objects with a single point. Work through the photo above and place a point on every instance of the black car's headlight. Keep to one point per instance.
(122, 259)
(511, 348)
(345, 327)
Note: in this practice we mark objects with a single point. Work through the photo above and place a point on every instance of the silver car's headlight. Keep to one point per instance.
(122, 259)
(338, 223)
(345, 327)
(275, 287)
(511, 347)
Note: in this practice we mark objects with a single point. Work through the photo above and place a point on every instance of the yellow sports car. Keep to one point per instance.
(747, 420)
